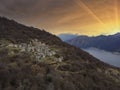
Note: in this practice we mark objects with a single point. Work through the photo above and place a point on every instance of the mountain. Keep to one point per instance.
(108, 43)
(66, 36)
(33, 59)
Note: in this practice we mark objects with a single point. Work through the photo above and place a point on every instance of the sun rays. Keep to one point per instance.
(102, 23)
(87, 9)
(116, 14)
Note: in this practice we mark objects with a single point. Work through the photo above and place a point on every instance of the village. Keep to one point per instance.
(38, 49)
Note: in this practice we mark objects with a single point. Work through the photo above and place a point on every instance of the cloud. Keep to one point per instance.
(35, 11)
(33, 7)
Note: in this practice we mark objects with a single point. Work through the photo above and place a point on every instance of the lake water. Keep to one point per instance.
(108, 57)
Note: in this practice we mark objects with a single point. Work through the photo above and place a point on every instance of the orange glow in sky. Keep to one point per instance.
(91, 18)
(88, 17)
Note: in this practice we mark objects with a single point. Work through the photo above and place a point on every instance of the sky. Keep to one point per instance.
(87, 17)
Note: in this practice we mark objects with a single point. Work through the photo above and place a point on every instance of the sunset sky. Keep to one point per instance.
(88, 17)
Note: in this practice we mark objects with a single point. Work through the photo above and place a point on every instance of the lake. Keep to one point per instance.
(105, 56)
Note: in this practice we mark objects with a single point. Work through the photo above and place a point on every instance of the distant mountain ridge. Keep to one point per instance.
(67, 36)
(108, 43)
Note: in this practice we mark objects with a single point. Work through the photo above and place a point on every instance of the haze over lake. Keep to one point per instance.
(108, 57)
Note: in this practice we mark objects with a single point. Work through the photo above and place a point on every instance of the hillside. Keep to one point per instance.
(33, 59)
(108, 43)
